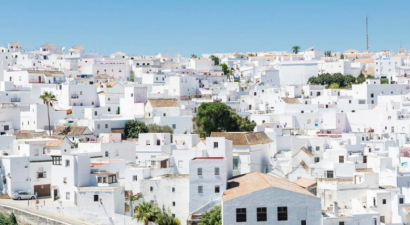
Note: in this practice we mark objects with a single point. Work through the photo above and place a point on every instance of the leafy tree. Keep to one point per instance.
(212, 217)
(218, 117)
(215, 59)
(12, 220)
(133, 128)
(251, 54)
(3, 219)
(295, 49)
(48, 99)
(155, 128)
(225, 69)
(334, 86)
(384, 81)
(361, 79)
(145, 212)
(194, 56)
(163, 217)
(342, 56)
(328, 53)
(132, 76)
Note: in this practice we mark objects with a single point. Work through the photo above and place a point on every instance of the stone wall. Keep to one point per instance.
(28, 218)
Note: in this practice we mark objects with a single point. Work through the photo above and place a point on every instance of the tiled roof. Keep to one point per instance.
(256, 181)
(103, 76)
(69, 131)
(304, 182)
(47, 73)
(244, 138)
(163, 102)
(291, 100)
(365, 170)
(54, 143)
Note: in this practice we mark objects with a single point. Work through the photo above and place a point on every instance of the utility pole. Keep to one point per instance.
(367, 33)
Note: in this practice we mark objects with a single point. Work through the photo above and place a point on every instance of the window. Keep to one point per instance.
(165, 114)
(241, 215)
(106, 125)
(95, 198)
(341, 223)
(173, 203)
(384, 201)
(309, 148)
(217, 189)
(303, 222)
(365, 159)
(329, 174)
(261, 214)
(107, 154)
(67, 163)
(67, 195)
(401, 200)
(382, 219)
(282, 213)
(215, 144)
(98, 126)
(341, 159)
(317, 159)
(217, 171)
(109, 108)
(95, 113)
(200, 189)
(199, 171)
(174, 126)
(135, 178)
(173, 189)
(317, 148)
(56, 160)
(64, 180)
(36, 152)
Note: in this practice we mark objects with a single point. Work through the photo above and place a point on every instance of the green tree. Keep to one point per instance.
(3, 219)
(133, 128)
(145, 212)
(155, 128)
(12, 220)
(215, 59)
(384, 81)
(328, 53)
(225, 69)
(48, 99)
(194, 56)
(132, 76)
(361, 79)
(334, 86)
(212, 217)
(218, 117)
(295, 49)
(251, 54)
(342, 56)
(163, 217)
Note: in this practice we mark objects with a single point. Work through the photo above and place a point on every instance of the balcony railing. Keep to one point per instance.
(15, 99)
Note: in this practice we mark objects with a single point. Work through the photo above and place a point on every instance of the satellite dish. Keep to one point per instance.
(63, 49)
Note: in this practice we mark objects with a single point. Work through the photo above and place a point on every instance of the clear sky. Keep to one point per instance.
(203, 26)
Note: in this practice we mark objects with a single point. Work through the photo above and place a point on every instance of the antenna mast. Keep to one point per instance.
(367, 33)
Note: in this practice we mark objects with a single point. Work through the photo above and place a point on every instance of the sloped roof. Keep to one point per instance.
(47, 73)
(48, 45)
(29, 134)
(244, 138)
(70, 131)
(303, 149)
(163, 102)
(304, 182)
(291, 100)
(54, 143)
(256, 181)
(103, 76)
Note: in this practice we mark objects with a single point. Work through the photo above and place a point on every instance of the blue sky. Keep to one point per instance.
(202, 26)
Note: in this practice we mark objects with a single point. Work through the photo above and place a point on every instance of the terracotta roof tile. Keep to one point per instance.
(244, 138)
(256, 181)
(163, 102)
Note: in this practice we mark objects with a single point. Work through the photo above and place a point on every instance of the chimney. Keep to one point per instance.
(335, 209)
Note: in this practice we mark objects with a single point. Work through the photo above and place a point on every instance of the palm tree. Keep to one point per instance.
(164, 218)
(194, 56)
(48, 99)
(145, 212)
(295, 49)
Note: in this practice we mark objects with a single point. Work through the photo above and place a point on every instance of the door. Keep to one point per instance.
(39, 79)
(42, 190)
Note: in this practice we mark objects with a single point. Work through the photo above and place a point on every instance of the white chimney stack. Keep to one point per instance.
(335, 209)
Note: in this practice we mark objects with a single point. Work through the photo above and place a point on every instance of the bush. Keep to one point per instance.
(154, 128)
(212, 217)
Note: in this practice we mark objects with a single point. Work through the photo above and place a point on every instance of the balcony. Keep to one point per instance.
(75, 96)
(15, 99)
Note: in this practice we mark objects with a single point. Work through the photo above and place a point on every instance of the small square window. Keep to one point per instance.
(401, 200)
(151, 189)
(217, 189)
(200, 189)
(384, 201)
(199, 171)
(215, 144)
(95, 198)
(135, 178)
(217, 171)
